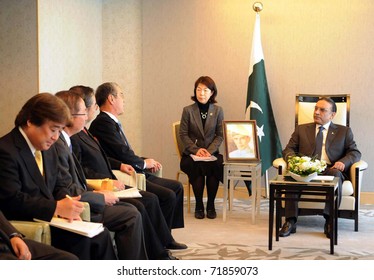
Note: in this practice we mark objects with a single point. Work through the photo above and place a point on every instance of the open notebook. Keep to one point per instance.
(128, 193)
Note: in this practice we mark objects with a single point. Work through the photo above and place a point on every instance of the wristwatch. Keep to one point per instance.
(16, 234)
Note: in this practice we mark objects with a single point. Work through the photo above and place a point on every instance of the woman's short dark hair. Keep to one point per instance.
(41, 108)
(209, 83)
(331, 101)
(86, 93)
(103, 91)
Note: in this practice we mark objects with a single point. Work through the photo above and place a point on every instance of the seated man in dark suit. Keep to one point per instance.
(121, 218)
(14, 246)
(127, 238)
(107, 129)
(337, 147)
(96, 165)
(28, 176)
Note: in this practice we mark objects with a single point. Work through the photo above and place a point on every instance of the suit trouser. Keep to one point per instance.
(170, 194)
(99, 247)
(292, 207)
(39, 251)
(126, 222)
(156, 232)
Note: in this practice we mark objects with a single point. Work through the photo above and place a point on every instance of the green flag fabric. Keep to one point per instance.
(258, 105)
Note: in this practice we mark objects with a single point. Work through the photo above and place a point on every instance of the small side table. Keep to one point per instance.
(245, 172)
(327, 190)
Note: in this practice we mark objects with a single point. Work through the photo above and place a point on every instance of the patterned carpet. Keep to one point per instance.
(239, 239)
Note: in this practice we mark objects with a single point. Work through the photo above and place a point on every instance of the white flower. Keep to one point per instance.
(305, 165)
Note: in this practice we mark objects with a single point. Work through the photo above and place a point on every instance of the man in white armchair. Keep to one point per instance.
(337, 147)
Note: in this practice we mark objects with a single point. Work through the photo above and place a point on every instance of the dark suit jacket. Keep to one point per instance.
(194, 136)
(340, 145)
(95, 163)
(75, 180)
(107, 132)
(24, 193)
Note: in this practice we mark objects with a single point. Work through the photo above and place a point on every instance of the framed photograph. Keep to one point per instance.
(241, 144)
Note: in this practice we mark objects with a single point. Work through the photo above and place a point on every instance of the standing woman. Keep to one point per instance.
(201, 134)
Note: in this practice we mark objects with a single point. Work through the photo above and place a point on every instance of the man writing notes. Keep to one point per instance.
(28, 176)
(108, 131)
(337, 147)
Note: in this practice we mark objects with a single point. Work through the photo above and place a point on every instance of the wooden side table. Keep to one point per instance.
(326, 190)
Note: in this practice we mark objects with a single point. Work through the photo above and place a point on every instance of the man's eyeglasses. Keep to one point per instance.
(82, 114)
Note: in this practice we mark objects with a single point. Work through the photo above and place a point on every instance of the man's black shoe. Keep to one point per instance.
(167, 256)
(287, 228)
(174, 245)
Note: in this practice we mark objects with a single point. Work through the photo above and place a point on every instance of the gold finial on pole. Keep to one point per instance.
(257, 7)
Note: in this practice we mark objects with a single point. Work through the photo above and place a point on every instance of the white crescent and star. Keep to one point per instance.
(260, 130)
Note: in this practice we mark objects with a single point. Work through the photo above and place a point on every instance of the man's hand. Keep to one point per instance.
(128, 169)
(118, 185)
(110, 198)
(152, 164)
(70, 208)
(20, 248)
(339, 165)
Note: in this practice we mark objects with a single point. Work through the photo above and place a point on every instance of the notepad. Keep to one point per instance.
(128, 193)
(88, 229)
(196, 158)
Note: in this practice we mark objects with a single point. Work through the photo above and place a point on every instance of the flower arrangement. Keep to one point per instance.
(304, 166)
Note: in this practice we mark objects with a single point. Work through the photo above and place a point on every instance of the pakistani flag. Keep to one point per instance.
(258, 106)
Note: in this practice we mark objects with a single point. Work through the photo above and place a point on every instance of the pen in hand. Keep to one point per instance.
(80, 207)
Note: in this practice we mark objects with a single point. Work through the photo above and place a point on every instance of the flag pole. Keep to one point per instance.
(258, 7)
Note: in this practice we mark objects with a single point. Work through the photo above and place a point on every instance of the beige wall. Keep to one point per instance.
(70, 44)
(18, 58)
(310, 46)
(122, 56)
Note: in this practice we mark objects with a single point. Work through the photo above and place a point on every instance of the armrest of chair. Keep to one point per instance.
(86, 214)
(137, 180)
(356, 173)
(281, 165)
(38, 231)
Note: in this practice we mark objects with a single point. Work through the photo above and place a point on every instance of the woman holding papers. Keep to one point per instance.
(201, 134)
